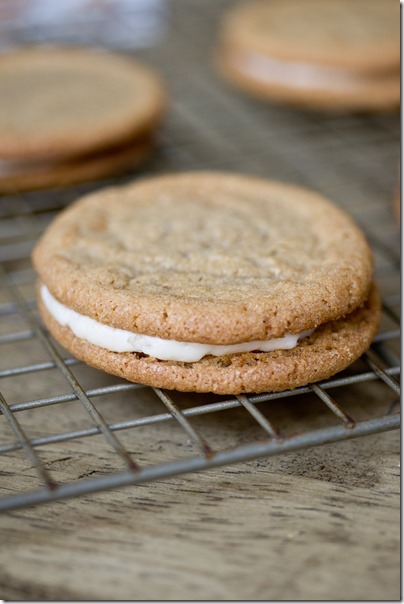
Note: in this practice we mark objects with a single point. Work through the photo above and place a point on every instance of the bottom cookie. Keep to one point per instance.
(331, 348)
(25, 176)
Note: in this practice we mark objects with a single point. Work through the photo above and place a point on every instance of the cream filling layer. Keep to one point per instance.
(298, 75)
(120, 340)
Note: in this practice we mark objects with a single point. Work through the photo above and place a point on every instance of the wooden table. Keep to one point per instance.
(316, 524)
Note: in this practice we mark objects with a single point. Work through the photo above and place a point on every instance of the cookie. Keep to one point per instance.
(208, 282)
(63, 107)
(331, 54)
(18, 176)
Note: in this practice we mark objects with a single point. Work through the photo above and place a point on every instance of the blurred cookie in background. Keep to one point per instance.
(18, 176)
(73, 114)
(328, 54)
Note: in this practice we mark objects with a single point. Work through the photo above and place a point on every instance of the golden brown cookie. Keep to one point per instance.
(196, 262)
(69, 115)
(335, 54)
(59, 103)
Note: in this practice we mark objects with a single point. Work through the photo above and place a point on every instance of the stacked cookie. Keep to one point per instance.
(209, 282)
(331, 54)
(68, 115)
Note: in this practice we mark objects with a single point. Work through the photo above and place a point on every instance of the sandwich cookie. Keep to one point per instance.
(208, 282)
(68, 115)
(331, 54)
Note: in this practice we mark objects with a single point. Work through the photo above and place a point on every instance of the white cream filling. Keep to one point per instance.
(120, 340)
(295, 74)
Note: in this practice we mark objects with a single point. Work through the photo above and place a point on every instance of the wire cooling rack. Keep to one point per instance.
(68, 430)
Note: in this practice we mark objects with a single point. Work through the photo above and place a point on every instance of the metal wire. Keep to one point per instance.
(205, 449)
(210, 126)
(331, 404)
(257, 415)
(26, 444)
(373, 362)
(73, 382)
(195, 464)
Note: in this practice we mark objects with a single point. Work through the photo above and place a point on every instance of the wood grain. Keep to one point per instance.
(284, 528)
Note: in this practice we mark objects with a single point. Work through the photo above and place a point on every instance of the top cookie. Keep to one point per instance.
(66, 102)
(361, 35)
(206, 257)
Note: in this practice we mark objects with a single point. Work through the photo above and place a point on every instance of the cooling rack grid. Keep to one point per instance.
(67, 430)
